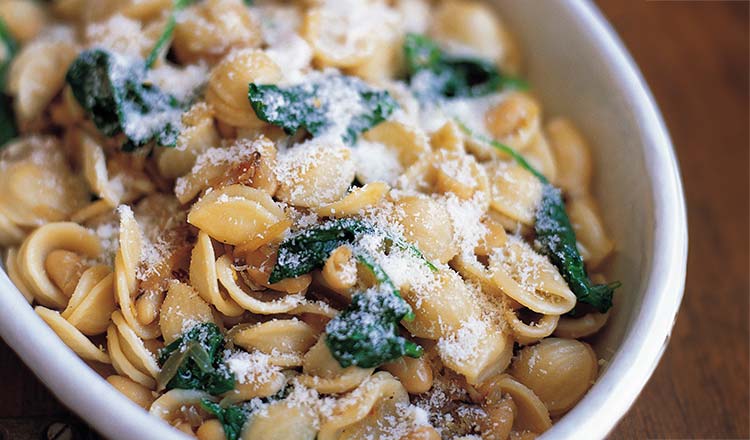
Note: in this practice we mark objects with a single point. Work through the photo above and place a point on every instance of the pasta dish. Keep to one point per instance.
(302, 219)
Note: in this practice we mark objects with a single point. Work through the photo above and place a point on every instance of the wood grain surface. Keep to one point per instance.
(694, 55)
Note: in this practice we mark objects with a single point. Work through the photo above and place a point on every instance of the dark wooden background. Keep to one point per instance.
(694, 55)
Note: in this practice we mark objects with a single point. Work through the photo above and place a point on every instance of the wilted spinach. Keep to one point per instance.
(310, 248)
(232, 417)
(116, 96)
(556, 238)
(365, 334)
(195, 362)
(433, 73)
(322, 104)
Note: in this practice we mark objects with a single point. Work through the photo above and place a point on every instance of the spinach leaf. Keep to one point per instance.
(8, 50)
(232, 418)
(366, 333)
(433, 73)
(194, 361)
(310, 248)
(166, 36)
(330, 102)
(115, 95)
(556, 238)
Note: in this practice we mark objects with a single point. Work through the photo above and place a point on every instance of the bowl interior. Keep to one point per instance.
(579, 70)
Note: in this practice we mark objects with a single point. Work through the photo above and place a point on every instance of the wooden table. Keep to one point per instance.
(694, 56)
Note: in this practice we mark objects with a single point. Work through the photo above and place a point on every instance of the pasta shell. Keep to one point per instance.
(71, 336)
(235, 214)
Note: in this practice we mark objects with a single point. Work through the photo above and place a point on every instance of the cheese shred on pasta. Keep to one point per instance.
(282, 228)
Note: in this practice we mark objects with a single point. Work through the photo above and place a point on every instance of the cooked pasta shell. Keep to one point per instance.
(235, 214)
(586, 325)
(71, 336)
(322, 372)
(260, 302)
(528, 333)
(478, 350)
(92, 302)
(540, 156)
(366, 411)
(593, 242)
(204, 279)
(127, 259)
(305, 177)
(448, 137)
(281, 420)
(355, 201)
(531, 413)
(34, 251)
(226, 92)
(573, 157)
(427, 224)
(559, 371)
(95, 170)
(37, 74)
(24, 18)
(515, 192)
(265, 384)
(472, 25)
(134, 347)
(407, 141)
(182, 308)
(212, 28)
(122, 364)
(35, 192)
(515, 121)
(134, 391)
(11, 268)
(530, 279)
(286, 340)
(198, 134)
(339, 34)
(174, 404)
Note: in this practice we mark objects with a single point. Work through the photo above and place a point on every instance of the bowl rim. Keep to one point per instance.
(114, 416)
(647, 337)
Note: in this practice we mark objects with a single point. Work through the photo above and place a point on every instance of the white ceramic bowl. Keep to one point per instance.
(579, 67)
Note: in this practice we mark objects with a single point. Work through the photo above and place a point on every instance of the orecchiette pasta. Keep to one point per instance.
(573, 362)
(36, 75)
(311, 219)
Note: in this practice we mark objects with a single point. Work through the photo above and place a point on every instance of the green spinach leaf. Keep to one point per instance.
(115, 95)
(232, 418)
(194, 361)
(8, 50)
(310, 248)
(433, 73)
(339, 103)
(366, 333)
(556, 238)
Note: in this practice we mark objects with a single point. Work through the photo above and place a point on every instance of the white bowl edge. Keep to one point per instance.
(637, 357)
(114, 416)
